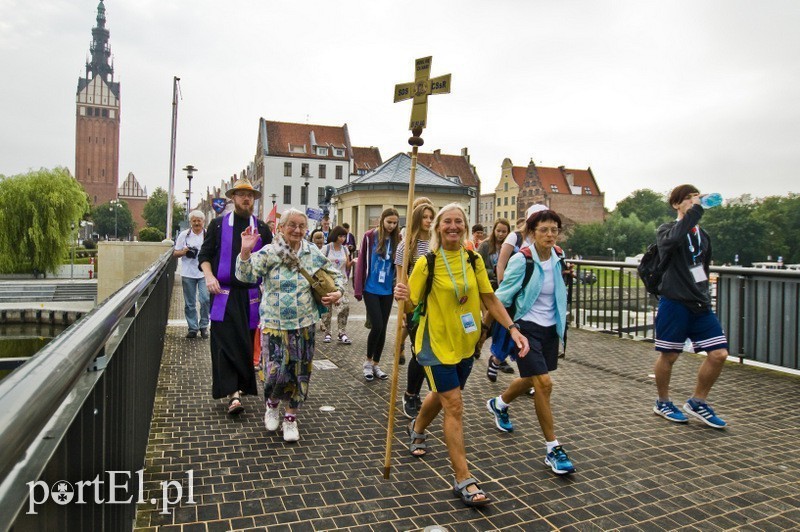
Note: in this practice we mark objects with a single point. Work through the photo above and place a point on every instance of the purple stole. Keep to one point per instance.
(224, 274)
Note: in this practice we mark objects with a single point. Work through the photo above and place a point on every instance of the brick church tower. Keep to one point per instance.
(97, 120)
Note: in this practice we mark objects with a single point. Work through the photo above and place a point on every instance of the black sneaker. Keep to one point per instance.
(410, 405)
(505, 368)
(192, 334)
(204, 333)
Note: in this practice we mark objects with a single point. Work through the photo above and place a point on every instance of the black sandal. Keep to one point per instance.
(235, 406)
(467, 497)
(412, 445)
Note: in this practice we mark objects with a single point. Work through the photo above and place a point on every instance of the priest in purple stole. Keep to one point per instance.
(234, 305)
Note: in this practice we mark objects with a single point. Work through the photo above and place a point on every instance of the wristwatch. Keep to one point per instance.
(513, 326)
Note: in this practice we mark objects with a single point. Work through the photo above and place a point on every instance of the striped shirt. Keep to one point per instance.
(422, 249)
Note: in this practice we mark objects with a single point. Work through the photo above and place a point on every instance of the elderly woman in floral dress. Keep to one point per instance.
(288, 314)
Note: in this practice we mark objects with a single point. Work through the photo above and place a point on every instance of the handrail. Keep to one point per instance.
(55, 369)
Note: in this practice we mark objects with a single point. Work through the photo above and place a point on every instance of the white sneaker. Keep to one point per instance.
(290, 432)
(378, 373)
(272, 419)
(368, 376)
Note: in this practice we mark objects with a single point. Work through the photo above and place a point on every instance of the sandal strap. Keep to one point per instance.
(460, 486)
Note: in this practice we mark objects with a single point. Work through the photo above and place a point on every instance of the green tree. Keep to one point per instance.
(647, 205)
(107, 222)
(155, 211)
(627, 236)
(782, 216)
(586, 240)
(36, 211)
(737, 230)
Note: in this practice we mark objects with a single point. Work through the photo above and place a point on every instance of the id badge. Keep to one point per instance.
(468, 322)
(382, 276)
(698, 273)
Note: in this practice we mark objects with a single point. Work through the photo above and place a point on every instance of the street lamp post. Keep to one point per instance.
(190, 170)
(115, 208)
(613, 254)
(72, 264)
(305, 188)
(274, 198)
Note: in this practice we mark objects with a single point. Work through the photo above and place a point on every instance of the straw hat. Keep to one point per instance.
(242, 184)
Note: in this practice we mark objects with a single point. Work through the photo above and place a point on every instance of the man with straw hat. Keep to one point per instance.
(234, 304)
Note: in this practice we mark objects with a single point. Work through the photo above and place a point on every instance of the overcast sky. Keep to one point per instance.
(649, 94)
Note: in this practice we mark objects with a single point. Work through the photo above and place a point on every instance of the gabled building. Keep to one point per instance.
(135, 196)
(507, 190)
(97, 120)
(365, 160)
(295, 162)
(361, 202)
(459, 170)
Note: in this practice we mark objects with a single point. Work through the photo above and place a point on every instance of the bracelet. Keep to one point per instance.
(513, 326)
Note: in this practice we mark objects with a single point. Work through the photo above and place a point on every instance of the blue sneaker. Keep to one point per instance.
(559, 462)
(501, 420)
(668, 410)
(704, 413)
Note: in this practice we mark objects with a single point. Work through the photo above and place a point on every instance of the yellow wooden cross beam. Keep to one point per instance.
(419, 89)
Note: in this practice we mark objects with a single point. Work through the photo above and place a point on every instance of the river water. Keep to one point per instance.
(25, 339)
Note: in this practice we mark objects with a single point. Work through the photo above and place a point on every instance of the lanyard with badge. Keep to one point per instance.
(467, 319)
(696, 270)
(383, 260)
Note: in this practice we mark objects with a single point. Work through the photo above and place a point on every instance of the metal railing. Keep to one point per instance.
(759, 309)
(80, 408)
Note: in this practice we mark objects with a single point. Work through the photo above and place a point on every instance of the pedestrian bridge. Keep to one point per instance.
(134, 394)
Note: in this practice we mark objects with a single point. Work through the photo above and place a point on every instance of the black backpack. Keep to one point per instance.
(651, 269)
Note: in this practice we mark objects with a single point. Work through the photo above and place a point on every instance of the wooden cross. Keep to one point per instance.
(419, 89)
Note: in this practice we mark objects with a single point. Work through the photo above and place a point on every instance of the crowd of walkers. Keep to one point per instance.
(459, 289)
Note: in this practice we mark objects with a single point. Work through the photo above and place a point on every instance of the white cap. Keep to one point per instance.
(533, 209)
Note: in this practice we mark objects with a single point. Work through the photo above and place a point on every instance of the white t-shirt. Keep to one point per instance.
(511, 240)
(337, 258)
(188, 239)
(543, 309)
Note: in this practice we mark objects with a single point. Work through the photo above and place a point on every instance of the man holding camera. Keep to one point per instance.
(194, 285)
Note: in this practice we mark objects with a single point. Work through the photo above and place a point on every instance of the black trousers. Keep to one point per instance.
(379, 308)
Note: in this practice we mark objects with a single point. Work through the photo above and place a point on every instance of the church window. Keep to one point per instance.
(105, 113)
(287, 169)
(587, 190)
(322, 171)
(88, 171)
(338, 171)
(287, 194)
(554, 188)
(103, 172)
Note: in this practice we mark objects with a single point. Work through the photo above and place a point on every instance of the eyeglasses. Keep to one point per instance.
(294, 226)
(244, 194)
(546, 230)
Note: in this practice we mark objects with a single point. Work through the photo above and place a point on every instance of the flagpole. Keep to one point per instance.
(170, 194)
(415, 141)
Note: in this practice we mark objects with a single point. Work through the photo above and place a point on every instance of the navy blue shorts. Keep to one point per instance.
(675, 323)
(446, 377)
(543, 355)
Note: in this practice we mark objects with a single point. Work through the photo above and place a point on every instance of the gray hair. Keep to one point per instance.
(288, 213)
(435, 242)
(197, 214)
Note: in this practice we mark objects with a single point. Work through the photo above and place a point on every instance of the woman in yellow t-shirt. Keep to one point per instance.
(446, 338)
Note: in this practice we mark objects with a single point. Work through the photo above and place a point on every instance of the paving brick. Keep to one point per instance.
(635, 470)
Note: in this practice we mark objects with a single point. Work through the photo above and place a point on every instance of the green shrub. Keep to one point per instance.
(150, 234)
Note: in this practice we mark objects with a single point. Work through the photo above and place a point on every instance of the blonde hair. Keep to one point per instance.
(415, 228)
(435, 240)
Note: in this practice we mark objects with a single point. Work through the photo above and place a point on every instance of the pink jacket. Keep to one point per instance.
(363, 264)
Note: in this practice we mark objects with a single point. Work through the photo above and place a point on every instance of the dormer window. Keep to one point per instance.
(554, 188)
(338, 152)
(322, 151)
(297, 148)
(587, 190)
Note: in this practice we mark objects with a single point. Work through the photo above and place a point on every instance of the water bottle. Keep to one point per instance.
(711, 200)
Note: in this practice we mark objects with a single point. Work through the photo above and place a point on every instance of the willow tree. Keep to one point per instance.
(36, 213)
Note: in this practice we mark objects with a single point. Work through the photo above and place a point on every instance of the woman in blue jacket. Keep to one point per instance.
(541, 315)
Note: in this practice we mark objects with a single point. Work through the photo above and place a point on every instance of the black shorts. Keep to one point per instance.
(543, 355)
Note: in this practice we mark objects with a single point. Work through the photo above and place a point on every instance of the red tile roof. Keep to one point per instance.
(366, 158)
(450, 166)
(558, 177)
(281, 136)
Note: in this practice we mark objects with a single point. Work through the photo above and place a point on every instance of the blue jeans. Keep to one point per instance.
(194, 289)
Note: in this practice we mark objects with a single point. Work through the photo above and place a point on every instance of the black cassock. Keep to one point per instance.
(232, 338)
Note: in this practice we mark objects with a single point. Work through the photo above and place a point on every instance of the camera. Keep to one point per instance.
(192, 252)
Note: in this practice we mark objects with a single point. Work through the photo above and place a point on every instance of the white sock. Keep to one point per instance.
(499, 403)
(551, 445)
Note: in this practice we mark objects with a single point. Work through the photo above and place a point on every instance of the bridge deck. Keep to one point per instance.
(636, 471)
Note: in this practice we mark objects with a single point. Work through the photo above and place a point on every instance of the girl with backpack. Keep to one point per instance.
(446, 336)
(374, 282)
(339, 255)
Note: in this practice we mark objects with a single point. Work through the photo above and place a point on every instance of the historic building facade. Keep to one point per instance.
(97, 120)
(459, 170)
